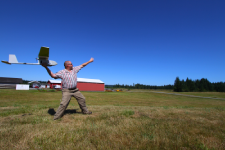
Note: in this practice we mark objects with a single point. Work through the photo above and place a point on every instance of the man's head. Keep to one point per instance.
(68, 65)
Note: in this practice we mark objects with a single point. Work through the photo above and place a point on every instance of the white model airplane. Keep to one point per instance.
(42, 58)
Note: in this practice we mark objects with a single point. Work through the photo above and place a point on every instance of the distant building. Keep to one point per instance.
(5, 80)
(9, 83)
(45, 85)
(34, 84)
(53, 83)
(83, 84)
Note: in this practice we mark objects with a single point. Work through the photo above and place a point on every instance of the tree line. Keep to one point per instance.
(140, 86)
(202, 85)
(188, 85)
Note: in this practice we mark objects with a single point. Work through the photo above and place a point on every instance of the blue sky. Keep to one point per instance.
(146, 42)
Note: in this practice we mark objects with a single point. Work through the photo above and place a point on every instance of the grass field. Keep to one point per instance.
(137, 119)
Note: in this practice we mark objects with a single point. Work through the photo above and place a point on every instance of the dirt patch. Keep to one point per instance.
(8, 108)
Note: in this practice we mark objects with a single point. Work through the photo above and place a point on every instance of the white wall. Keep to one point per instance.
(22, 87)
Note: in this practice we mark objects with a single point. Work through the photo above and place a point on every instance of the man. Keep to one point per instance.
(69, 87)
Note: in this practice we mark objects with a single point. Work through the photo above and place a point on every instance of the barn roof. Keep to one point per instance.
(80, 80)
(89, 80)
(55, 81)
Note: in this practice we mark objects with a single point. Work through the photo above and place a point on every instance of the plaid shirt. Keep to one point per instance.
(69, 78)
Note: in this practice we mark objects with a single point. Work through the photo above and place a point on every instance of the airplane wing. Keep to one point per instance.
(44, 53)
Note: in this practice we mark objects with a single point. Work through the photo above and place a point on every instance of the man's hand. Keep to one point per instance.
(44, 64)
(48, 70)
(84, 64)
(91, 60)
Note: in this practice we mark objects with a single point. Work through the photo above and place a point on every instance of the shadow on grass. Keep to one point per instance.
(52, 112)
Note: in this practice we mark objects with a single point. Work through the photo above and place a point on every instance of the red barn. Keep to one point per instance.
(53, 83)
(83, 84)
(90, 84)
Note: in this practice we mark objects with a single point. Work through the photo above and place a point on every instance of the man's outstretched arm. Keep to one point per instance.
(49, 71)
(85, 64)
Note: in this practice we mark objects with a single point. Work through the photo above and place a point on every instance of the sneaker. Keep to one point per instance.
(87, 113)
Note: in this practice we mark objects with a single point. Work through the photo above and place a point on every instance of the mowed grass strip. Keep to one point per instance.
(119, 121)
(202, 94)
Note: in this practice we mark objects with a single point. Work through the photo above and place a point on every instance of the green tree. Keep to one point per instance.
(177, 85)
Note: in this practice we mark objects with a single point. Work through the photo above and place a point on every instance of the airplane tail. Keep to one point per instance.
(12, 58)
